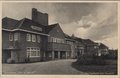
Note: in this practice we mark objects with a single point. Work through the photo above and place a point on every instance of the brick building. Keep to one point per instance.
(35, 40)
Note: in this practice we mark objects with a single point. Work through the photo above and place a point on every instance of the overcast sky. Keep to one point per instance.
(96, 21)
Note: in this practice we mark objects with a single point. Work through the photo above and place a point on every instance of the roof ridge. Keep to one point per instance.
(10, 18)
(54, 24)
(21, 22)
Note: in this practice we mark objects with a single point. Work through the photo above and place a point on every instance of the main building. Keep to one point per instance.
(35, 40)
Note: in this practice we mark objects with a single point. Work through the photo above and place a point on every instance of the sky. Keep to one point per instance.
(95, 21)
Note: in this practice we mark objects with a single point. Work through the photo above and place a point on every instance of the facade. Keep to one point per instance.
(26, 41)
(103, 49)
(30, 40)
(57, 47)
(69, 40)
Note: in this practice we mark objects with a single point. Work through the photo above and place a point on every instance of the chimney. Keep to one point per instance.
(41, 18)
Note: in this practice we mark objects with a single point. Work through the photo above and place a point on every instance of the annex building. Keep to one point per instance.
(35, 40)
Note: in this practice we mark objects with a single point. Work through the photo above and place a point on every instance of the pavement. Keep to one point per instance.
(55, 67)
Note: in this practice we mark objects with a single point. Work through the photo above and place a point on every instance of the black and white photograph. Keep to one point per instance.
(57, 38)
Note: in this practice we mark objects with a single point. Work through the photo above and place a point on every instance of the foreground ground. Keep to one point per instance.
(49, 67)
(53, 67)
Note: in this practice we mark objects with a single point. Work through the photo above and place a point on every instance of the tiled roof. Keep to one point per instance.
(9, 23)
(102, 46)
(88, 41)
(85, 41)
(50, 27)
(24, 23)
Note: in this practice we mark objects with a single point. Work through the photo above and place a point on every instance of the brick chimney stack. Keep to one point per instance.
(41, 18)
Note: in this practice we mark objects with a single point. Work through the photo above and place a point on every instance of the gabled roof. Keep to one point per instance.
(9, 23)
(78, 39)
(24, 23)
(84, 41)
(102, 46)
(67, 36)
(50, 27)
(88, 41)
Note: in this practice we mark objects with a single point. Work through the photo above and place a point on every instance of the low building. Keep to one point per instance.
(103, 49)
(79, 47)
(72, 43)
(57, 48)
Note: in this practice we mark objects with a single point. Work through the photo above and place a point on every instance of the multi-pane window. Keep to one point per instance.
(33, 38)
(10, 36)
(57, 40)
(33, 52)
(38, 38)
(28, 37)
(16, 36)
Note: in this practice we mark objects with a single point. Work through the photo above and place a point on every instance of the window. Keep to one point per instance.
(57, 40)
(28, 37)
(10, 37)
(33, 38)
(33, 52)
(38, 38)
(15, 36)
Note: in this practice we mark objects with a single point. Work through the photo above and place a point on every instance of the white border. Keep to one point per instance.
(64, 76)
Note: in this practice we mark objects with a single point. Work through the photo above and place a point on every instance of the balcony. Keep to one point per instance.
(58, 46)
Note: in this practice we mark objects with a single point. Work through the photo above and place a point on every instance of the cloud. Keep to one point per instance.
(99, 23)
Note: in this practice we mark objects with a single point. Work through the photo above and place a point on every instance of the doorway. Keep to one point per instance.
(56, 54)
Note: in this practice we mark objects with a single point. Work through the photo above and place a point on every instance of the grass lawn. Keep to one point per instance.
(108, 69)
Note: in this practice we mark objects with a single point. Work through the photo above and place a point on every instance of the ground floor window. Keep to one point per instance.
(33, 52)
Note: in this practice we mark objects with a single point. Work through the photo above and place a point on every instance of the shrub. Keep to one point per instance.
(10, 61)
(91, 60)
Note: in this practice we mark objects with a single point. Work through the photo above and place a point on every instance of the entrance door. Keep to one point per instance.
(62, 54)
(56, 54)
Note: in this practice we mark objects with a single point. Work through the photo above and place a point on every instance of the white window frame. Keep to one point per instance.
(31, 50)
(33, 38)
(16, 36)
(28, 37)
(10, 36)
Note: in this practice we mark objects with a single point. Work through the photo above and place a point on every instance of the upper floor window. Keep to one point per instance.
(10, 36)
(33, 38)
(38, 39)
(57, 40)
(28, 37)
(16, 36)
